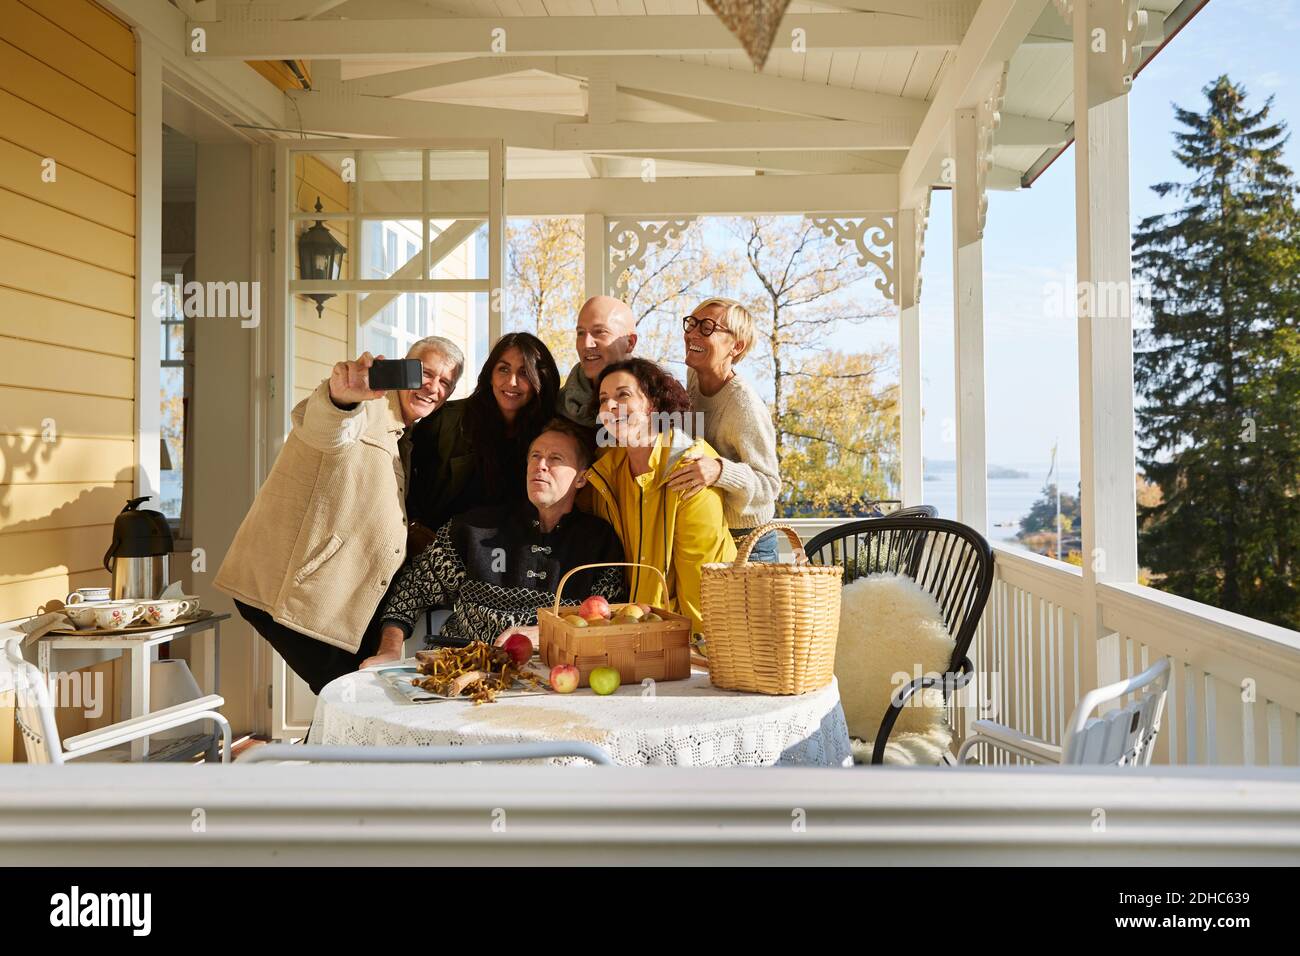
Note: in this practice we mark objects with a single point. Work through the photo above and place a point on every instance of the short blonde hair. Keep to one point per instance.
(738, 320)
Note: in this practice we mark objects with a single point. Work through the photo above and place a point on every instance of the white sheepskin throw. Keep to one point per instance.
(892, 631)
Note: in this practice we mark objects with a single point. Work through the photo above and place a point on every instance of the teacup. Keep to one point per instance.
(163, 612)
(116, 615)
(195, 604)
(82, 614)
(84, 595)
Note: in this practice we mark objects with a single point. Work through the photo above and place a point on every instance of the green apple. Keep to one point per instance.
(605, 680)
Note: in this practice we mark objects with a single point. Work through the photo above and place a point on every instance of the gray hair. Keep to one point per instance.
(444, 347)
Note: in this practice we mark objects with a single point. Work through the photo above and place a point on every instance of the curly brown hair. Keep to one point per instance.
(666, 395)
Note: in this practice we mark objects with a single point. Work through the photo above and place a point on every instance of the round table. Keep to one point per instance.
(685, 723)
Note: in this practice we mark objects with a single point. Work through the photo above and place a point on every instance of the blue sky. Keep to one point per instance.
(1030, 357)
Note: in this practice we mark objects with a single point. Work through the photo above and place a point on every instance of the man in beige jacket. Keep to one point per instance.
(327, 532)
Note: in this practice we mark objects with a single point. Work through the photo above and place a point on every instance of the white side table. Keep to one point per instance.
(142, 645)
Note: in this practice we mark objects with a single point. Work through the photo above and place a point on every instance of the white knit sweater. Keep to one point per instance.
(738, 424)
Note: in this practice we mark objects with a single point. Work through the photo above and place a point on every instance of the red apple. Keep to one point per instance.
(564, 678)
(519, 647)
(594, 606)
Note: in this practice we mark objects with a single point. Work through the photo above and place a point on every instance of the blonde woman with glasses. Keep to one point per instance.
(735, 420)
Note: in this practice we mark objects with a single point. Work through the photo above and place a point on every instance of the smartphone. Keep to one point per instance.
(396, 373)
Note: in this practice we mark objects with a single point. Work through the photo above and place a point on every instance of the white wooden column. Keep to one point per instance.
(1102, 72)
(595, 261)
(497, 307)
(908, 238)
(968, 323)
(148, 265)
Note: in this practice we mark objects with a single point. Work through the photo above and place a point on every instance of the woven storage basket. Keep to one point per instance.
(771, 628)
(660, 650)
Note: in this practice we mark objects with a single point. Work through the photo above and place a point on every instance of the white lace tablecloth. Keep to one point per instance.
(686, 723)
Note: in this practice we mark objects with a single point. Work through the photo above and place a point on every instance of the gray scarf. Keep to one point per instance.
(577, 401)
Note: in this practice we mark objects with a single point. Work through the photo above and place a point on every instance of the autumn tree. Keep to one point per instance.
(671, 280)
(545, 280)
(840, 427)
(804, 287)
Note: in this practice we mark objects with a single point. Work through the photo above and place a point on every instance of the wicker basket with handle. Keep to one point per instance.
(771, 628)
(659, 650)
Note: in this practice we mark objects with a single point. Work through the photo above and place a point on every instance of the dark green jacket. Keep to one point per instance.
(447, 475)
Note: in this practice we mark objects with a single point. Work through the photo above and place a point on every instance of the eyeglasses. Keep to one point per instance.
(706, 326)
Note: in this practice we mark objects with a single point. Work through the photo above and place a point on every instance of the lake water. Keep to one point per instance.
(1009, 498)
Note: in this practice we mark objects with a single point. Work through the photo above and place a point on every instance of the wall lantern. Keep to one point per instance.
(320, 256)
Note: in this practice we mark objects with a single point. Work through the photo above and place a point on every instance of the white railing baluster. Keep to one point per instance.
(1274, 718)
(1193, 722)
(1248, 732)
(1211, 720)
(1031, 646)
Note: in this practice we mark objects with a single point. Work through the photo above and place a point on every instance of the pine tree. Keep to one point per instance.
(1218, 371)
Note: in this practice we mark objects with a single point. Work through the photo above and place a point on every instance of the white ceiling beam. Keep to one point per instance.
(688, 137)
(742, 88)
(1028, 131)
(257, 39)
(277, 9)
(826, 163)
(994, 34)
(711, 109)
(703, 196)
(445, 74)
(961, 9)
(333, 110)
(668, 196)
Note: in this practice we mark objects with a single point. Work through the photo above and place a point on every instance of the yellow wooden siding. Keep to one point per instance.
(30, 79)
(319, 341)
(91, 24)
(27, 411)
(71, 190)
(33, 129)
(27, 315)
(36, 224)
(67, 294)
(51, 44)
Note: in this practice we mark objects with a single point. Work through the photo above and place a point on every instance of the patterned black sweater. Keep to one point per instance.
(494, 567)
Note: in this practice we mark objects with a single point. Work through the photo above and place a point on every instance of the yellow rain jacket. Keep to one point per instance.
(658, 528)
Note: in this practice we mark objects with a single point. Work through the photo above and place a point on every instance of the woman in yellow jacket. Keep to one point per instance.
(644, 415)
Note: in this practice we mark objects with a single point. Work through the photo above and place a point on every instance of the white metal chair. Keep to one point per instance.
(1124, 736)
(35, 717)
(313, 753)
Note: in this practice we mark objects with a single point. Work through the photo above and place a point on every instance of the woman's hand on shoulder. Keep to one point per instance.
(695, 473)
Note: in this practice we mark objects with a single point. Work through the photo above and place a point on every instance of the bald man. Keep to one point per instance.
(606, 333)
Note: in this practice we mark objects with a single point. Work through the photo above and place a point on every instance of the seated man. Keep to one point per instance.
(495, 566)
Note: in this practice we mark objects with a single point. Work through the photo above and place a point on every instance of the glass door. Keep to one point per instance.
(388, 243)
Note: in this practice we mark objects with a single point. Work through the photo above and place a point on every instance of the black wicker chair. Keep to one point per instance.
(950, 560)
(914, 511)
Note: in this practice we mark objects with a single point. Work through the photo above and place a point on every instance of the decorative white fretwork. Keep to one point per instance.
(922, 221)
(628, 241)
(1116, 31)
(988, 118)
(1127, 27)
(873, 236)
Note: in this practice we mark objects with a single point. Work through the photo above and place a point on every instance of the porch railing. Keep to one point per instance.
(1234, 696)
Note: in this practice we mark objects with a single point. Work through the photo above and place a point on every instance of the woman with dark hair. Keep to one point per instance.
(645, 422)
(472, 451)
